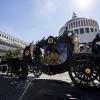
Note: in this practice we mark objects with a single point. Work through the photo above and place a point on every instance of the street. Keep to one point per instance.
(57, 87)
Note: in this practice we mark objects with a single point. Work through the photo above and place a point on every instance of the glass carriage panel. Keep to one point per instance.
(57, 56)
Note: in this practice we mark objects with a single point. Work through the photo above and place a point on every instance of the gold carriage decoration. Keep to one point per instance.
(52, 58)
(50, 40)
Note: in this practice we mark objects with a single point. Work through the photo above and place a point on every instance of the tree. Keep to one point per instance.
(15, 53)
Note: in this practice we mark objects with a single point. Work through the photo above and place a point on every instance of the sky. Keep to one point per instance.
(31, 20)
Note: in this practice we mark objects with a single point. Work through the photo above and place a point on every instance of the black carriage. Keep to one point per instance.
(56, 55)
(50, 56)
(84, 69)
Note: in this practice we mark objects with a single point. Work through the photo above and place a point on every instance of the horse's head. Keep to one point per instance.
(27, 53)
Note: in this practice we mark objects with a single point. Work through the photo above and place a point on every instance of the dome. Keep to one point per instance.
(81, 26)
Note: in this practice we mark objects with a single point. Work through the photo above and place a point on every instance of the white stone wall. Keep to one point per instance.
(9, 42)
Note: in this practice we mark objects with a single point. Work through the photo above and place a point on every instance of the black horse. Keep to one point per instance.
(15, 67)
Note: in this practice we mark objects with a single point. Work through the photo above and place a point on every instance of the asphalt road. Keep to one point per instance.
(43, 88)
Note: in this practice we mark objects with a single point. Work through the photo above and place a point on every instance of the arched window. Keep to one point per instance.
(76, 31)
(84, 23)
(87, 23)
(87, 30)
(81, 30)
(91, 29)
(76, 24)
(95, 30)
(91, 22)
(2, 35)
(73, 24)
(79, 23)
(69, 25)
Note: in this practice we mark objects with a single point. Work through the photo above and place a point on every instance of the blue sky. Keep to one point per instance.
(34, 19)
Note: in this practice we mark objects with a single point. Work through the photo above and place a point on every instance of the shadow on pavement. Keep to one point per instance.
(42, 89)
(11, 88)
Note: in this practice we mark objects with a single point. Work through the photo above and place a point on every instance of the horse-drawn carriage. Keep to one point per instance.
(50, 56)
(56, 55)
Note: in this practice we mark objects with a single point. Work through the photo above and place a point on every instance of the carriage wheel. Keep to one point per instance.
(36, 70)
(23, 71)
(84, 72)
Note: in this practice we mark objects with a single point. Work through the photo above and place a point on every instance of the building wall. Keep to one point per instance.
(8, 42)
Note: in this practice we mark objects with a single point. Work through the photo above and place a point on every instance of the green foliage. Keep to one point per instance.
(15, 53)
